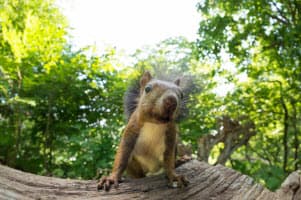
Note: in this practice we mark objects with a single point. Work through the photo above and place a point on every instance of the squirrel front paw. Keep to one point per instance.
(106, 182)
(178, 181)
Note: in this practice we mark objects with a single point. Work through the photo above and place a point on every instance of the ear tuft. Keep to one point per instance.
(145, 79)
(177, 82)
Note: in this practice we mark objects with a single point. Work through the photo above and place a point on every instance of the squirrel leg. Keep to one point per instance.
(124, 151)
(175, 180)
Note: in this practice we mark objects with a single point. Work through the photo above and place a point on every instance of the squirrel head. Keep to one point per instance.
(159, 100)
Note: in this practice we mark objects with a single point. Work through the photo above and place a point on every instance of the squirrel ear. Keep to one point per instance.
(177, 81)
(145, 78)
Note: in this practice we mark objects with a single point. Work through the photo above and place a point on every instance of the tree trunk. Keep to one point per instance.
(206, 182)
(296, 135)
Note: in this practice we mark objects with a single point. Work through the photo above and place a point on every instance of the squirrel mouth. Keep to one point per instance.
(161, 119)
(164, 119)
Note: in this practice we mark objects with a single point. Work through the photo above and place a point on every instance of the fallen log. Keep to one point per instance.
(206, 182)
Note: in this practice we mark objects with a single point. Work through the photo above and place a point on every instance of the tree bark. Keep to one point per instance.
(206, 182)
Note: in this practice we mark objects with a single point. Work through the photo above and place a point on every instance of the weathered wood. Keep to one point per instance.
(206, 182)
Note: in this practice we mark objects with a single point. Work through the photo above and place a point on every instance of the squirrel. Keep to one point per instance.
(148, 143)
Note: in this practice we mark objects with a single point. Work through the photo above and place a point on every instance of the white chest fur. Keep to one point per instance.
(150, 147)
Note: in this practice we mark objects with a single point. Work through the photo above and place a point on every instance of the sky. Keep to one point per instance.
(131, 24)
(128, 25)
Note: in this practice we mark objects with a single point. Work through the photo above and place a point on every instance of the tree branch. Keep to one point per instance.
(206, 182)
(278, 18)
(281, 12)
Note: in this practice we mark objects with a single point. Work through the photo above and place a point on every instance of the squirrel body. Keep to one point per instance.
(149, 149)
(148, 143)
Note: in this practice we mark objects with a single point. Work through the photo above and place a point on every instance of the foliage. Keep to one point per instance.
(56, 103)
(61, 108)
(262, 40)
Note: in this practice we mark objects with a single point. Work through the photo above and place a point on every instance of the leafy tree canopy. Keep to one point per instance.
(262, 40)
(61, 108)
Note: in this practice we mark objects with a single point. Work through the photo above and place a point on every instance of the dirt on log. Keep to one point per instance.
(206, 182)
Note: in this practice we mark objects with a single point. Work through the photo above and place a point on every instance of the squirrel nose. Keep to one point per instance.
(170, 103)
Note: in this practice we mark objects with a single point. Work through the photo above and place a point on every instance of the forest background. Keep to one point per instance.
(61, 107)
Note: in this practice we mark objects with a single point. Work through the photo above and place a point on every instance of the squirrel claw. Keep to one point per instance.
(106, 182)
(178, 181)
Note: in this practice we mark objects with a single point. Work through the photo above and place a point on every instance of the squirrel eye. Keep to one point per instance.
(148, 88)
